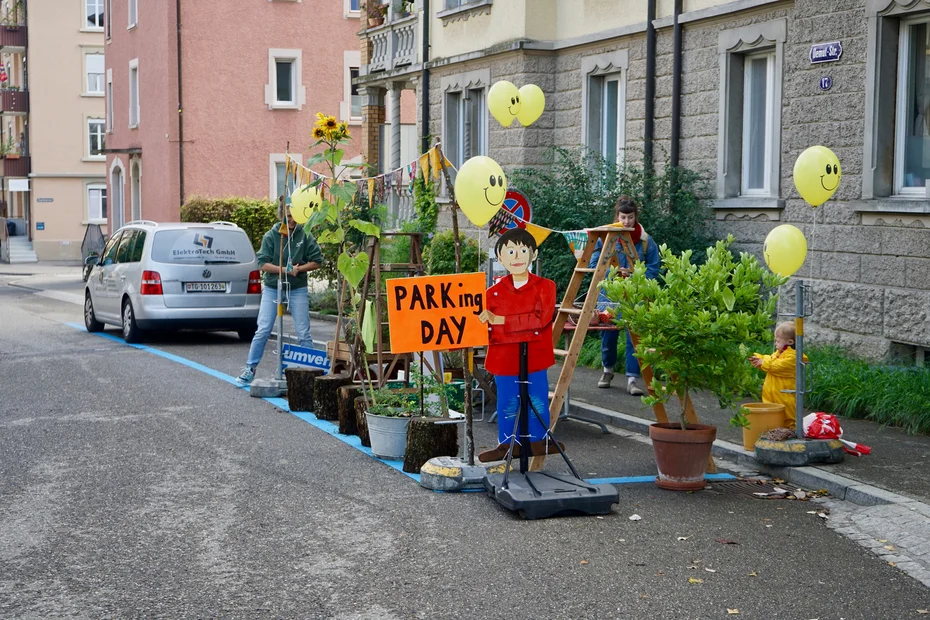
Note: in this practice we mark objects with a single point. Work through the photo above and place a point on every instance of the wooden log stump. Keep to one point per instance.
(300, 387)
(361, 422)
(326, 395)
(426, 439)
(347, 396)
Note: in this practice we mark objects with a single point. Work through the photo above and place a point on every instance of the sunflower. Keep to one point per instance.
(344, 128)
(318, 133)
(330, 122)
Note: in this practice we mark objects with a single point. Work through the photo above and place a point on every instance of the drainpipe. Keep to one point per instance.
(424, 82)
(649, 129)
(177, 8)
(676, 88)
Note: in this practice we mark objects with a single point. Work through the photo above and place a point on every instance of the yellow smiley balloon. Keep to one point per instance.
(504, 102)
(785, 249)
(304, 202)
(480, 188)
(817, 174)
(532, 104)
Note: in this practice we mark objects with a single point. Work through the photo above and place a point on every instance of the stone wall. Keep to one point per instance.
(871, 276)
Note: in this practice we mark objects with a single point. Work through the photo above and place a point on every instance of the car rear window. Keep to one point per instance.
(200, 246)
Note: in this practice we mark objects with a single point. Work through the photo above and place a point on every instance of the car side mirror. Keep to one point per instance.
(92, 260)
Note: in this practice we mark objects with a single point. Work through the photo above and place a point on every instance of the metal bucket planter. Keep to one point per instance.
(388, 435)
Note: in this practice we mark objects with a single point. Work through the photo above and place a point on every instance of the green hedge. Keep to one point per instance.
(254, 216)
(885, 393)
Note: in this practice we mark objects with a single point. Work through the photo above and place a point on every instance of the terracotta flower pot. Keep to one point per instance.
(375, 21)
(681, 456)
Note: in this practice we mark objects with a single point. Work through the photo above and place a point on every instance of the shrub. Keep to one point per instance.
(254, 216)
(439, 257)
(885, 393)
(581, 188)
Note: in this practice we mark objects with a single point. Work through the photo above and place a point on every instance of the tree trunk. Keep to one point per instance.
(300, 387)
(347, 396)
(326, 395)
(426, 439)
(361, 422)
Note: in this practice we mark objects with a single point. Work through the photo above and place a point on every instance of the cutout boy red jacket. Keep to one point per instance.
(528, 313)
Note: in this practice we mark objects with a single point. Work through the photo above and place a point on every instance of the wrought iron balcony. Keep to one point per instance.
(14, 101)
(13, 36)
(394, 44)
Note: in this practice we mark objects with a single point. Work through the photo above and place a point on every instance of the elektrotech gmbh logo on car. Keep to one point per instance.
(203, 240)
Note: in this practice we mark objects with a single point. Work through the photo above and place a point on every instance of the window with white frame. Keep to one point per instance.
(284, 89)
(758, 113)
(96, 140)
(604, 104)
(133, 6)
(355, 101)
(606, 116)
(465, 133)
(109, 11)
(94, 74)
(279, 179)
(97, 202)
(749, 139)
(94, 14)
(109, 101)
(351, 8)
(134, 115)
(912, 126)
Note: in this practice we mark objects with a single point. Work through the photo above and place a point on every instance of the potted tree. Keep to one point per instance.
(695, 327)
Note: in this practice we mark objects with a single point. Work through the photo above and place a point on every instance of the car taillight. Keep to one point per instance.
(255, 284)
(151, 283)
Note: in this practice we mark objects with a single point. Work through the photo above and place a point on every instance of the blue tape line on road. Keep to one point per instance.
(324, 425)
(641, 479)
(333, 429)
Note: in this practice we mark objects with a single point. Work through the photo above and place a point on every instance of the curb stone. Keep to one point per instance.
(840, 487)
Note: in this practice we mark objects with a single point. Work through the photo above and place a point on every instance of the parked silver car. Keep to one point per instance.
(153, 276)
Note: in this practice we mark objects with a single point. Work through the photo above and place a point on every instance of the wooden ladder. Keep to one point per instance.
(608, 235)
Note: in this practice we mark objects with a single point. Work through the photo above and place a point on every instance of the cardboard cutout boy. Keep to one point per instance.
(519, 308)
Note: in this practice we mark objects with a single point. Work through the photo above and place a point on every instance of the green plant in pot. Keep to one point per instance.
(694, 327)
(390, 410)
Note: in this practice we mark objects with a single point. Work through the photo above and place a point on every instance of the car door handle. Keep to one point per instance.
(122, 277)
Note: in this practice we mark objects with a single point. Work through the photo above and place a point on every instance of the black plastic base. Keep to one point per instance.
(540, 495)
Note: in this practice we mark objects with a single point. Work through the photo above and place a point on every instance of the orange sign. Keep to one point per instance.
(436, 313)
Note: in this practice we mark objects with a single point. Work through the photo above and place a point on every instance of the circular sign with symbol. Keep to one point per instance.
(826, 82)
(517, 204)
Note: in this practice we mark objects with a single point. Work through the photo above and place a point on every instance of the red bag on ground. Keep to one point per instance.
(820, 425)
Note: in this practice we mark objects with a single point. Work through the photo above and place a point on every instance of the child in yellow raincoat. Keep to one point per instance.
(779, 368)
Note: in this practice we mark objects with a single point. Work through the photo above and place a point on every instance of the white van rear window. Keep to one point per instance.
(202, 246)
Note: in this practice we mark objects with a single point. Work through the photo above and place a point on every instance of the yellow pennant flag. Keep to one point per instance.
(539, 233)
(435, 162)
(424, 166)
(371, 193)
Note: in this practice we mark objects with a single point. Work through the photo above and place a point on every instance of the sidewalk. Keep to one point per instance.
(896, 471)
(43, 268)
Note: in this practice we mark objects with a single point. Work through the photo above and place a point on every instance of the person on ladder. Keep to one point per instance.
(519, 308)
(627, 215)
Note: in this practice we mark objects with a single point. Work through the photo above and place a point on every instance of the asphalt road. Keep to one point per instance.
(133, 486)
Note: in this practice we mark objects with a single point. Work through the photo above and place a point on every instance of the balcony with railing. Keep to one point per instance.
(394, 44)
(14, 165)
(12, 35)
(14, 100)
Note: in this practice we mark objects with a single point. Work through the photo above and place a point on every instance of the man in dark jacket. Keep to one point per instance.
(287, 251)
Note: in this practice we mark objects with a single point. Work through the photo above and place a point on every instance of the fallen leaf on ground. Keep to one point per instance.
(732, 612)
(822, 515)
(768, 525)
(882, 540)
(753, 574)
(599, 517)
(811, 512)
(778, 481)
(621, 540)
(710, 570)
(923, 611)
(889, 547)
(761, 494)
(780, 490)
(724, 541)
(635, 518)
(800, 494)
(661, 572)
(695, 580)
(683, 537)
(891, 564)
(583, 562)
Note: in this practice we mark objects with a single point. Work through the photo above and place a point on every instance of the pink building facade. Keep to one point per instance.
(252, 77)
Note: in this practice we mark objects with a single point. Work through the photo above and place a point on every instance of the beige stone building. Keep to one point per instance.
(53, 126)
(755, 83)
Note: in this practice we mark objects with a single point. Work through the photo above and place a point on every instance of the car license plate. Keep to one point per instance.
(205, 287)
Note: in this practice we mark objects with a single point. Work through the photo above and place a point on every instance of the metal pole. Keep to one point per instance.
(799, 363)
